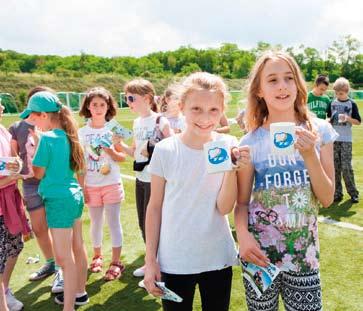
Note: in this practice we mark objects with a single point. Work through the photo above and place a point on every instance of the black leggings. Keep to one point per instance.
(142, 193)
(214, 288)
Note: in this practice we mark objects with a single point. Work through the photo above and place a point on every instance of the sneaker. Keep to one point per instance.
(13, 303)
(141, 284)
(354, 199)
(58, 283)
(80, 301)
(43, 272)
(139, 272)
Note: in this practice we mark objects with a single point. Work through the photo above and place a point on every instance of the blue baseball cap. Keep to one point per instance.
(42, 102)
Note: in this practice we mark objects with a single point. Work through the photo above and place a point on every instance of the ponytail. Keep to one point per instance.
(69, 125)
(153, 105)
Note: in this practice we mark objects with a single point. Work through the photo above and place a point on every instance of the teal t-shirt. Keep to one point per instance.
(318, 104)
(53, 154)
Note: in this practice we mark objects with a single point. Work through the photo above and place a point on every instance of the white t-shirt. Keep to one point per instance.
(96, 157)
(177, 123)
(194, 236)
(143, 130)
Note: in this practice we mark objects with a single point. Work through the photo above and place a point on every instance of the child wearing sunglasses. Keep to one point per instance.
(140, 97)
(103, 185)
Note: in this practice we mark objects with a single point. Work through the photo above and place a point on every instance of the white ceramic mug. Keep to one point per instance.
(4, 161)
(218, 157)
(282, 136)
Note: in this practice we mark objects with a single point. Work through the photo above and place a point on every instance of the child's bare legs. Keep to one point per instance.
(80, 256)
(9, 268)
(116, 254)
(62, 244)
(40, 229)
(3, 305)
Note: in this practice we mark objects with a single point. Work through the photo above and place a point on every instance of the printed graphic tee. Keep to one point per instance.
(283, 209)
(347, 107)
(92, 139)
(318, 104)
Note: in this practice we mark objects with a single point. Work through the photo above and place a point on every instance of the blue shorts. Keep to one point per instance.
(32, 199)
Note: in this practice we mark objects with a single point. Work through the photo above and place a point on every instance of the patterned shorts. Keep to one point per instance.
(299, 292)
(10, 245)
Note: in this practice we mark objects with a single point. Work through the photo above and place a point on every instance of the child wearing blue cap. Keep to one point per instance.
(58, 157)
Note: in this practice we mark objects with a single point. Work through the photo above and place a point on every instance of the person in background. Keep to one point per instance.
(317, 100)
(343, 113)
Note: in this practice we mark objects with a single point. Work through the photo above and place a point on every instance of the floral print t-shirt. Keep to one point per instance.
(283, 209)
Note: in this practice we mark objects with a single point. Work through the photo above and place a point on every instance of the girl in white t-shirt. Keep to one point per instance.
(148, 128)
(170, 106)
(189, 241)
(103, 186)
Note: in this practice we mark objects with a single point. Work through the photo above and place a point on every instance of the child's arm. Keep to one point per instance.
(14, 148)
(355, 119)
(81, 178)
(8, 179)
(153, 223)
(38, 172)
(224, 128)
(321, 171)
(352, 120)
(228, 193)
(129, 150)
(115, 155)
(249, 249)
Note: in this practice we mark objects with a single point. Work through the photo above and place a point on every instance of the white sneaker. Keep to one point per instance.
(58, 283)
(139, 272)
(13, 303)
(142, 284)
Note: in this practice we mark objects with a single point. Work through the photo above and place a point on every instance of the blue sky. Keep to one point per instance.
(138, 27)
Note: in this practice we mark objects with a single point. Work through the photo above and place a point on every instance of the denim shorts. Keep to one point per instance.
(32, 199)
(63, 212)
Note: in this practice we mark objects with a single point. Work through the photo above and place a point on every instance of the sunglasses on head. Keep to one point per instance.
(129, 98)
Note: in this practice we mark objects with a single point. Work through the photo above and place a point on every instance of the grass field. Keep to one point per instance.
(341, 254)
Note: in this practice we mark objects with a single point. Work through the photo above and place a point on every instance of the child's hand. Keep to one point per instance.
(109, 151)
(116, 139)
(152, 274)
(14, 167)
(240, 156)
(305, 141)
(14, 177)
(250, 251)
(144, 152)
(85, 195)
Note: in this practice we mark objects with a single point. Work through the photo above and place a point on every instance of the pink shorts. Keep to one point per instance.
(100, 196)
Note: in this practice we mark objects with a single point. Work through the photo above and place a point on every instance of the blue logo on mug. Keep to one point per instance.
(283, 140)
(2, 166)
(217, 155)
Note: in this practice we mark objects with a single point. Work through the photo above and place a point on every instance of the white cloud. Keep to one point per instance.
(120, 27)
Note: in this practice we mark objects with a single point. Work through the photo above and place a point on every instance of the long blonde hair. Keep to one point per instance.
(65, 117)
(257, 111)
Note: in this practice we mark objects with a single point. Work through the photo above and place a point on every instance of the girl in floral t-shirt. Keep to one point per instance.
(278, 224)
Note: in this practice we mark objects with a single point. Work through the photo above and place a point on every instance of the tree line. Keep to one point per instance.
(342, 58)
